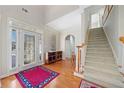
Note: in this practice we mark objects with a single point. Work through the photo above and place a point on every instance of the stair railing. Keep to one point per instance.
(106, 13)
(81, 54)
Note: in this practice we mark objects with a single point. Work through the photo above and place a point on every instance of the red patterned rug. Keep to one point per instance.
(88, 84)
(36, 77)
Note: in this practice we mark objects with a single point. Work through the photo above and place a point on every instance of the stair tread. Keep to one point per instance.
(99, 57)
(99, 53)
(106, 70)
(100, 64)
(114, 79)
(102, 83)
(99, 60)
(109, 79)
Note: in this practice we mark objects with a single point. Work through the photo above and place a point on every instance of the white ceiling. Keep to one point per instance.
(71, 19)
(52, 12)
(57, 16)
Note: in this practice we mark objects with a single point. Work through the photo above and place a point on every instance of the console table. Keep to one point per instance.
(53, 56)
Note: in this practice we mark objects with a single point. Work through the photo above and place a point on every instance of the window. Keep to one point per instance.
(95, 20)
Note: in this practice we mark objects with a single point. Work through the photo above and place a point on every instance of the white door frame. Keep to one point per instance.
(20, 46)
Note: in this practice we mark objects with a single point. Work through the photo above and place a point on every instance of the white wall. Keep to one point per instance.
(121, 20)
(69, 24)
(33, 18)
(121, 33)
(89, 11)
(111, 29)
(51, 39)
(114, 28)
(75, 31)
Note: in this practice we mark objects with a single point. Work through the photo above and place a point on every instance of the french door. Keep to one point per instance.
(26, 49)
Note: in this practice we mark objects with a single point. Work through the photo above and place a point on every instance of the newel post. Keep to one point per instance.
(78, 58)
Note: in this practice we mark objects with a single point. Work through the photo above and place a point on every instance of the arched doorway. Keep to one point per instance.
(69, 46)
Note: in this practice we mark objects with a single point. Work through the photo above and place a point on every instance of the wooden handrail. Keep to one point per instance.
(80, 46)
(108, 9)
(122, 39)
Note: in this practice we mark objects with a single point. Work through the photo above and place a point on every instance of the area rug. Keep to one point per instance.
(36, 77)
(88, 84)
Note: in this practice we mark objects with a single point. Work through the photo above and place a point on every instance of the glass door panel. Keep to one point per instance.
(29, 49)
(13, 48)
(40, 47)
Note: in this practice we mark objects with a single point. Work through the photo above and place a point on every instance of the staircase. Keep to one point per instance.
(100, 65)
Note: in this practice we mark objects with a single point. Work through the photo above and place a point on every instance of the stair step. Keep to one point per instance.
(109, 78)
(112, 64)
(103, 73)
(107, 68)
(99, 55)
(99, 46)
(93, 42)
(92, 59)
(104, 36)
(100, 36)
(100, 52)
(96, 51)
(97, 40)
(102, 83)
(99, 49)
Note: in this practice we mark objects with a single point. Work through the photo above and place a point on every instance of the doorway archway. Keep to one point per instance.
(69, 46)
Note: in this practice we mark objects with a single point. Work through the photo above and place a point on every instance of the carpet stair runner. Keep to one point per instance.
(100, 66)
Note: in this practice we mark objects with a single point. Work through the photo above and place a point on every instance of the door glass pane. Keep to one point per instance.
(40, 47)
(29, 49)
(13, 48)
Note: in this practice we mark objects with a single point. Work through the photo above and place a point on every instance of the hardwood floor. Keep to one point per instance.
(66, 79)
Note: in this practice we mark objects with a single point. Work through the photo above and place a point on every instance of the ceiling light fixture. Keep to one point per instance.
(24, 10)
